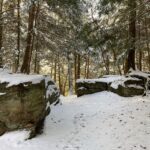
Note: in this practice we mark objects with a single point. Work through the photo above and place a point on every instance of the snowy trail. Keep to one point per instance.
(102, 121)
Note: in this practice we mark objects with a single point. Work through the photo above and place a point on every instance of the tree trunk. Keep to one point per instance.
(115, 60)
(70, 80)
(75, 70)
(78, 66)
(59, 79)
(140, 60)
(140, 52)
(55, 69)
(52, 65)
(37, 61)
(18, 37)
(28, 52)
(130, 61)
(1, 34)
(107, 65)
(88, 67)
(147, 42)
(64, 85)
(105, 58)
(59, 75)
(85, 68)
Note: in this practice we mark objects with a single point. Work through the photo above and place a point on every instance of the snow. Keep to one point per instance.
(101, 121)
(2, 94)
(115, 80)
(139, 73)
(50, 90)
(47, 79)
(116, 83)
(4, 71)
(106, 79)
(82, 88)
(16, 79)
(135, 86)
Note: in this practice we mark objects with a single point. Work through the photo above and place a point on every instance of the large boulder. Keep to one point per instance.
(144, 76)
(127, 87)
(23, 101)
(121, 85)
(90, 86)
(2, 128)
(52, 93)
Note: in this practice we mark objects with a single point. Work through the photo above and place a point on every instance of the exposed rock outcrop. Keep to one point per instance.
(136, 83)
(144, 76)
(25, 101)
(89, 87)
(127, 87)
(52, 93)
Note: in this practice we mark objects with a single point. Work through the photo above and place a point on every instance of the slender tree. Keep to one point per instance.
(28, 51)
(70, 79)
(1, 33)
(18, 36)
(130, 61)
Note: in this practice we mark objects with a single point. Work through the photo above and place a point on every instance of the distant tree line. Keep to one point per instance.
(74, 39)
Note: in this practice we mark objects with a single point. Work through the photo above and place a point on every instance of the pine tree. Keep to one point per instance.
(28, 52)
(130, 62)
(1, 33)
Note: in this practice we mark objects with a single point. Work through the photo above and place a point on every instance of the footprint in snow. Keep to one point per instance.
(143, 147)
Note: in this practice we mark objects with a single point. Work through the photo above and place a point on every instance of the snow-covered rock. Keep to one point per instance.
(139, 74)
(122, 85)
(144, 76)
(25, 101)
(52, 93)
(90, 86)
(127, 87)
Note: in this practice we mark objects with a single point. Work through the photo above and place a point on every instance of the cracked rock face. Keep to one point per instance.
(25, 106)
(84, 88)
(22, 105)
(125, 86)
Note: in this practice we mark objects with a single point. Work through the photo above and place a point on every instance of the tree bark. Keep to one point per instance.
(140, 52)
(88, 66)
(70, 80)
(36, 61)
(18, 36)
(59, 75)
(78, 66)
(115, 60)
(147, 42)
(28, 52)
(52, 65)
(55, 69)
(64, 85)
(105, 58)
(130, 61)
(75, 70)
(140, 60)
(1, 34)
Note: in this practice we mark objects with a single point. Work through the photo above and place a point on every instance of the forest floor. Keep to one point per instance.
(101, 121)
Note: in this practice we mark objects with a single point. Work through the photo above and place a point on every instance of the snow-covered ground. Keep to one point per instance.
(102, 121)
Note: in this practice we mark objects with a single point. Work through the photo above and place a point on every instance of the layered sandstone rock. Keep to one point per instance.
(25, 101)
